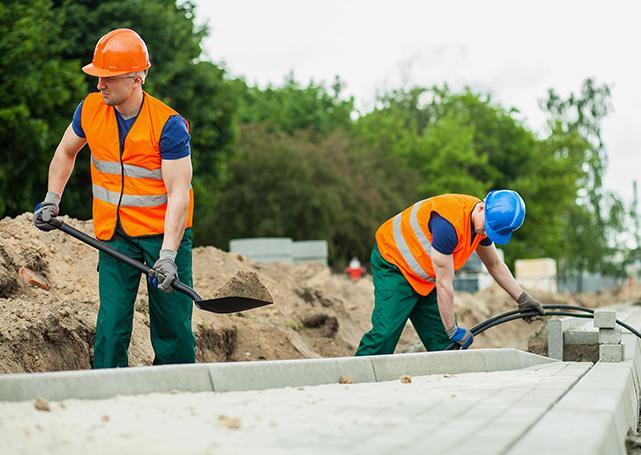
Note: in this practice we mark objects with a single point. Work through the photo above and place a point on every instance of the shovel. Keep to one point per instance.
(232, 304)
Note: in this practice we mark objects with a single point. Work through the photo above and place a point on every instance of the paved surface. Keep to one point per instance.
(480, 413)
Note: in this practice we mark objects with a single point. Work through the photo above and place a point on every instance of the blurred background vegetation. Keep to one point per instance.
(297, 159)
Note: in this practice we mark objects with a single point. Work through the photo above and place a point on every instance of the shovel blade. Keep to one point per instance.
(230, 304)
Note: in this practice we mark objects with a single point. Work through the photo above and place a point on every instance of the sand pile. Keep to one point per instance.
(315, 313)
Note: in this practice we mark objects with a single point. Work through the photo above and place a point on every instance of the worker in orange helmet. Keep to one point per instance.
(415, 257)
(142, 200)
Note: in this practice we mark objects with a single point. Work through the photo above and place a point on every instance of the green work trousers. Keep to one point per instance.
(169, 313)
(395, 301)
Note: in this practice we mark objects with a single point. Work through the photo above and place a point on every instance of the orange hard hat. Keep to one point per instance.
(120, 51)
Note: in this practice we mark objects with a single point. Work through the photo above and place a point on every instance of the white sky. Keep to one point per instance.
(515, 50)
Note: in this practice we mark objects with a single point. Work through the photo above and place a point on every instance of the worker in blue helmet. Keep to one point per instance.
(416, 255)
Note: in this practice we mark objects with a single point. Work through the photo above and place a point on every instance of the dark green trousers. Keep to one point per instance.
(169, 313)
(395, 301)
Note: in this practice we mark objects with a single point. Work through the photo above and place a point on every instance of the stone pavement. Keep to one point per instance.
(480, 413)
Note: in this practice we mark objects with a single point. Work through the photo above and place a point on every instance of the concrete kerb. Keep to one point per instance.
(223, 377)
(228, 377)
(99, 384)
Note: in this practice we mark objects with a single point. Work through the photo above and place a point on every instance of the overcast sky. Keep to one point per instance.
(515, 50)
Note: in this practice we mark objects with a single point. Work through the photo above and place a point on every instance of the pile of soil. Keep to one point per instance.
(315, 313)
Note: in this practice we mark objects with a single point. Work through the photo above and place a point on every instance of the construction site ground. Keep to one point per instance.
(315, 313)
(481, 400)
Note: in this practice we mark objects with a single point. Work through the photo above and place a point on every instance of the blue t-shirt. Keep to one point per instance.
(444, 238)
(174, 139)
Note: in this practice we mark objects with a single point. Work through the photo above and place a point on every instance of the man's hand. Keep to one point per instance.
(165, 271)
(527, 302)
(461, 336)
(45, 211)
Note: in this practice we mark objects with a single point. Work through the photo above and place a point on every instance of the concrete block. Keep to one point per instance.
(288, 373)
(610, 336)
(535, 268)
(107, 383)
(267, 249)
(555, 338)
(611, 353)
(605, 319)
(310, 251)
(581, 336)
(537, 274)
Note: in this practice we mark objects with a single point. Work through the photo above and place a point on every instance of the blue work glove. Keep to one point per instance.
(45, 211)
(164, 271)
(461, 336)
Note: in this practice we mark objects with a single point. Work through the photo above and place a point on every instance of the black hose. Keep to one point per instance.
(518, 314)
(481, 326)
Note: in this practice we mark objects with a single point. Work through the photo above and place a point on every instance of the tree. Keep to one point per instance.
(36, 88)
(597, 211)
(292, 106)
(289, 185)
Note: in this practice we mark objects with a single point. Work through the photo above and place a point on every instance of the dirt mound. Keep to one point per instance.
(315, 313)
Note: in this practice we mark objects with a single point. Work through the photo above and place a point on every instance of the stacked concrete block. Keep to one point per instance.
(610, 347)
(280, 249)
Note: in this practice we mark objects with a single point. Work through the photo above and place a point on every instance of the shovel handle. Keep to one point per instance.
(101, 246)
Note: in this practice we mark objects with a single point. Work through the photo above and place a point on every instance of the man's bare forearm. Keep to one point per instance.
(63, 161)
(59, 171)
(502, 275)
(445, 299)
(175, 219)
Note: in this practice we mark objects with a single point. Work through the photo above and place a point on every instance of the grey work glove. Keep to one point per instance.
(45, 211)
(527, 302)
(165, 271)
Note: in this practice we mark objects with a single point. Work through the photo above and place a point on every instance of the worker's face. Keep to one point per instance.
(116, 90)
(479, 219)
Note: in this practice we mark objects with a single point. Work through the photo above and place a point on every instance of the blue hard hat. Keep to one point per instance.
(504, 214)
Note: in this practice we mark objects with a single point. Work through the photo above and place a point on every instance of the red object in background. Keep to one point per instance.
(355, 273)
(354, 270)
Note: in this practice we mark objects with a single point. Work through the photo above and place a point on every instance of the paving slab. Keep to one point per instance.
(595, 415)
(437, 412)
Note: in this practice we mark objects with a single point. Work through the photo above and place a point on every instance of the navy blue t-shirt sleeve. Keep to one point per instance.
(486, 242)
(174, 140)
(444, 238)
(76, 124)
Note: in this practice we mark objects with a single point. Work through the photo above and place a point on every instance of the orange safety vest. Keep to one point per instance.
(127, 184)
(405, 240)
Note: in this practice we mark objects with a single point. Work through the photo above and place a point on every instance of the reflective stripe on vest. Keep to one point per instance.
(128, 200)
(401, 244)
(114, 167)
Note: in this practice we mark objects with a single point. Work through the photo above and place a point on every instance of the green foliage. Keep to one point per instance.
(291, 106)
(597, 213)
(290, 185)
(44, 45)
(293, 159)
(36, 88)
